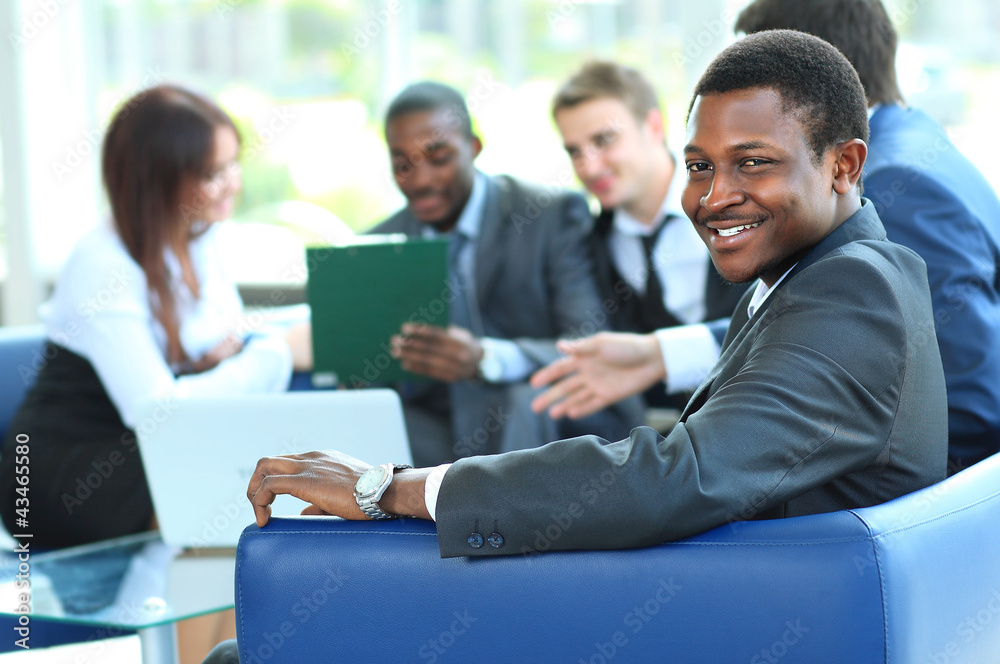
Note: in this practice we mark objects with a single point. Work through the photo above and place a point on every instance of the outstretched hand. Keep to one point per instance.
(597, 372)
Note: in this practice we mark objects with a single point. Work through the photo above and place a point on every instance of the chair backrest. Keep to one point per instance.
(21, 357)
(937, 556)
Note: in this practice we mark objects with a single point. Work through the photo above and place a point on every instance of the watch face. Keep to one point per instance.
(372, 478)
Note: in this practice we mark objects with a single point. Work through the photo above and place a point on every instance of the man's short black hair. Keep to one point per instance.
(861, 29)
(817, 84)
(429, 96)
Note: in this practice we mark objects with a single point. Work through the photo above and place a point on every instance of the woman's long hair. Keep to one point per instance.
(158, 147)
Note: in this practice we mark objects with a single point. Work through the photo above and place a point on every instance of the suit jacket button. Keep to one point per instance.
(495, 540)
(475, 540)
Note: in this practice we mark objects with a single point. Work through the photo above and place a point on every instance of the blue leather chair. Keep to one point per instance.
(913, 580)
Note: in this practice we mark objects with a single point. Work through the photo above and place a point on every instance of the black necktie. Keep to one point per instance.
(654, 287)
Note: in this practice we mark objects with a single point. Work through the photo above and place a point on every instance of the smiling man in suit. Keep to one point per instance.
(521, 278)
(930, 198)
(824, 397)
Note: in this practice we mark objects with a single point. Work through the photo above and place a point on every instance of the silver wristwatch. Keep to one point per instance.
(370, 487)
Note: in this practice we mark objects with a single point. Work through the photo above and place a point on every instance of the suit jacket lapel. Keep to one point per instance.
(496, 213)
(862, 225)
(603, 223)
(738, 328)
(409, 224)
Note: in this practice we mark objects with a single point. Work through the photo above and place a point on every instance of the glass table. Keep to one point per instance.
(130, 583)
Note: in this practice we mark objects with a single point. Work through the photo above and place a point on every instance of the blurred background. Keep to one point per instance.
(308, 80)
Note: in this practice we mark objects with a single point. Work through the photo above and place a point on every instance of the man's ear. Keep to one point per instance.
(851, 156)
(655, 125)
(477, 145)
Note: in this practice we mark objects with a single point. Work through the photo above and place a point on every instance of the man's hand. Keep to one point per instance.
(326, 481)
(598, 371)
(451, 354)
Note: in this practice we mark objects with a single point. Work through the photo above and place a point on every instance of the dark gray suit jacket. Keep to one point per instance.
(534, 284)
(832, 396)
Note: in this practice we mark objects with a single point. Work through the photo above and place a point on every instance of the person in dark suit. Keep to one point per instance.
(823, 398)
(930, 198)
(522, 278)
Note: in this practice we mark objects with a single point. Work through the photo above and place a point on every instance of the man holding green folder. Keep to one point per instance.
(521, 277)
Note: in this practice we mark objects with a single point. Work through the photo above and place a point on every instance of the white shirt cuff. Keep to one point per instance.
(689, 353)
(516, 365)
(432, 487)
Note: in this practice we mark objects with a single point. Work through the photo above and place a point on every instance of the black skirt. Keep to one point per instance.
(86, 478)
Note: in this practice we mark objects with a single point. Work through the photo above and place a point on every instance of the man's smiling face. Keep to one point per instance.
(612, 153)
(755, 193)
(432, 162)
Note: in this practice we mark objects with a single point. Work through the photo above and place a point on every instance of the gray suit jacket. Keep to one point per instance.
(534, 284)
(832, 396)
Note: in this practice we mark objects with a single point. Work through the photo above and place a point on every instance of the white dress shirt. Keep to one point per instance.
(680, 257)
(101, 310)
(762, 292)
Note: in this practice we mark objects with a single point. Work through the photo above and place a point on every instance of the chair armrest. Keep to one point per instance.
(897, 582)
(379, 591)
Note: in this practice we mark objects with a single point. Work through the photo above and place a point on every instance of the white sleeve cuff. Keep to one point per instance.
(689, 353)
(432, 487)
(516, 365)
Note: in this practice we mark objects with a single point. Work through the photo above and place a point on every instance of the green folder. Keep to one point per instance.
(362, 293)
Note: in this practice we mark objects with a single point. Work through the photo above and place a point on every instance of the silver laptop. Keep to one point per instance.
(199, 453)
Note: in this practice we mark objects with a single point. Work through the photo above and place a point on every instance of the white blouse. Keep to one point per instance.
(100, 310)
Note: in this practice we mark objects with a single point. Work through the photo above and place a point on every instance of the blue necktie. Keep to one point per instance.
(461, 313)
